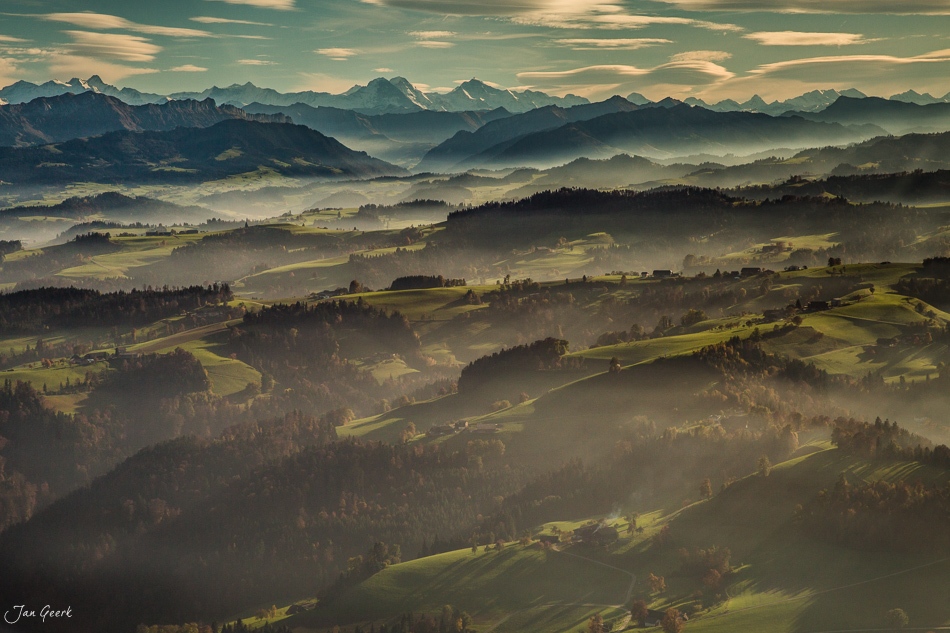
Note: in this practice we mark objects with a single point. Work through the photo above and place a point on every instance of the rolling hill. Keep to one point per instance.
(897, 117)
(660, 132)
(191, 155)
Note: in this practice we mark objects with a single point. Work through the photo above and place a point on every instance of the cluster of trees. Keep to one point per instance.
(888, 441)
(305, 348)
(9, 246)
(881, 516)
(421, 282)
(503, 366)
(264, 510)
(27, 311)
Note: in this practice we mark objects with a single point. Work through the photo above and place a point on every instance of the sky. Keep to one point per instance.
(711, 49)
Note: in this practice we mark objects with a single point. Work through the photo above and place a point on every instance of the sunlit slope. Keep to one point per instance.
(787, 581)
(489, 586)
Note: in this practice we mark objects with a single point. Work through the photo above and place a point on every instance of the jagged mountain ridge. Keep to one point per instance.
(379, 96)
(69, 116)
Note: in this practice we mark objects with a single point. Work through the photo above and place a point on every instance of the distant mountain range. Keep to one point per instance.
(897, 117)
(399, 138)
(655, 132)
(464, 144)
(813, 101)
(380, 96)
(69, 116)
(191, 155)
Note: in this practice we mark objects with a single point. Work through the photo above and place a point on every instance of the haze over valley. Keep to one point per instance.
(635, 316)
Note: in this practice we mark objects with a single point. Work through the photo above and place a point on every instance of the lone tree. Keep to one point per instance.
(657, 583)
(595, 624)
(639, 612)
(765, 466)
(672, 621)
(896, 619)
(705, 488)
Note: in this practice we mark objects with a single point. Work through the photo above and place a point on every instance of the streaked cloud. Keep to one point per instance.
(434, 44)
(383, 70)
(798, 38)
(188, 68)
(910, 7)
(107, 22)
(204, 19)
(338, 54)
(280, 5)
(432, 35)
(72, 65)
(118, 46)
(603, 80)
(256, 62)
(8, 38)
(576, 14)
(705, 56)
(592, 44)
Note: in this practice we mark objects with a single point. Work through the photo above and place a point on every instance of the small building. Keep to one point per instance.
(836, 303)
(597, 533)
(549, 539)
(818, 306)
(662, 274)
(461, 425)
(792, 269)
(750, 271)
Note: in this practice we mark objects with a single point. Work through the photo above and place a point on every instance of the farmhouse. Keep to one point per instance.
(750, 271)
(818, 306)
(662, 274)
(597, 533)
(549, 539)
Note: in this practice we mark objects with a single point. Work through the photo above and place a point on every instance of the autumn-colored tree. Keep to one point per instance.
(672, 621)
(639, 612)
(657, 583)
(595, 624)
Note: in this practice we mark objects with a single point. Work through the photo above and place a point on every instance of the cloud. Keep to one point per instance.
(256, 62)
(434, 44)
(611, 44)
(852, 67)
(616, 78)
(71, 65)
(210, 20)
(707, 56)
(872, 74)
(338, 54)
(280, 5)
(8, 70)
(383, 70)
(188, 68)
(432, 35)
(576, 14)
(909, 7)
(108, 22)
(8, 38)
(796, 38)
(127, 48)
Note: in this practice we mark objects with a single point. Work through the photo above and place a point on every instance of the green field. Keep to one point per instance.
(490, 586)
